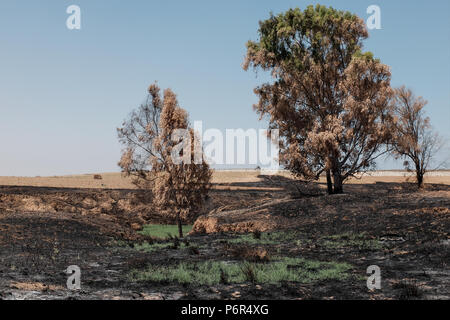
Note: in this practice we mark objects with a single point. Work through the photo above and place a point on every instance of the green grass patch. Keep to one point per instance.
(163, 231)
(345, 240)
(152, 247)
(277, 271)
(118, 243)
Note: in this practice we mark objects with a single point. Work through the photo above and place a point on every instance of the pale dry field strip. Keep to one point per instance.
(117, 181)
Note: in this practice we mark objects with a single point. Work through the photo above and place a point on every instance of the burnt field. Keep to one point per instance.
(259, 237)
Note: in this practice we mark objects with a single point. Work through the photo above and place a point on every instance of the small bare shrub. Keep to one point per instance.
(408, 289)
(98, 177)
(223, 277)
(257, 234)
(194, 251)
(175, 243)
(249, 272)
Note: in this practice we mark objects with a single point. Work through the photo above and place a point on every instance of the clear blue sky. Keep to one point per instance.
(63, 92)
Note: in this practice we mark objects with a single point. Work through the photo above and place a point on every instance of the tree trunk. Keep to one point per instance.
(419, 176)
(180, 227)
(338, 188)
(329, 183)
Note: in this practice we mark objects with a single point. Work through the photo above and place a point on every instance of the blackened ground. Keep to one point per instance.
(43, 231)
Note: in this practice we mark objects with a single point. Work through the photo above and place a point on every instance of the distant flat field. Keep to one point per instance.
(118, 181)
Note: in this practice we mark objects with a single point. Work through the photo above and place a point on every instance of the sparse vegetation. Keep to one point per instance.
(250, 272)
(153, 247)
(163, 231)
(408, 289)
(357, 241)
(360, 241)
(211, 272)
(266, 238)
(278, 261)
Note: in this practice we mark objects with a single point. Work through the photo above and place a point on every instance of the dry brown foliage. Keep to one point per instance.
(413, 138)
(252, 254)
(329, 100)
(178, 189)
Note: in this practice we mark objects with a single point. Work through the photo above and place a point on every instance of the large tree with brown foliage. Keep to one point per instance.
(156, 137)
(413, 138)
(329, 100)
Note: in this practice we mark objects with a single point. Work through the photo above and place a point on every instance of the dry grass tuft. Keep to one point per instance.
(253, 254)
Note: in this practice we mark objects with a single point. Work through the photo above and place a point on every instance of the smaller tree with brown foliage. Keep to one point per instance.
(156, 137)
(413, 137)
